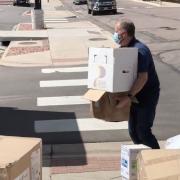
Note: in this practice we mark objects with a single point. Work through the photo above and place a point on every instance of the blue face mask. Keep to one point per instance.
(116, 38)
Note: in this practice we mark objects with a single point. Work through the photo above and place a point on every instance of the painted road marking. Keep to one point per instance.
(54, 19)
(69, 125)
(65, 70)
(61, 101)
(63, 83)
(69, 63)
(49, 20)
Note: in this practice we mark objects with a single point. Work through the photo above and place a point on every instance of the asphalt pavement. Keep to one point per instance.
(98, 160)
(77, 35)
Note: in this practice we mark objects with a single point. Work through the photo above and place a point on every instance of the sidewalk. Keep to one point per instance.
(90, 161)
(158, 3)
(67, 43)
(65, 34)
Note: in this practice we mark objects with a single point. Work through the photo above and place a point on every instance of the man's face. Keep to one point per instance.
(122, 35)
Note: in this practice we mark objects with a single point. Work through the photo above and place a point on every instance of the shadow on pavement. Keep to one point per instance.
(16, 122)
(65, 155)
(108, 13)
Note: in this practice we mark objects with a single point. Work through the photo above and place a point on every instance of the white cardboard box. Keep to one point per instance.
(112, 69)
(173, 142)
(129, 160)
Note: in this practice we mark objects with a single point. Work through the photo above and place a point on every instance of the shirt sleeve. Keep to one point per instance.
(143, 62)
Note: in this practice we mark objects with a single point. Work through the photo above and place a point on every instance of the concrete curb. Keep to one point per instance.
(12, 63)
(158, 3)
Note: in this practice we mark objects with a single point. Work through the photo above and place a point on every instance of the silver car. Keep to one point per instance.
(21, 2)
(79, 2)
(95, 6)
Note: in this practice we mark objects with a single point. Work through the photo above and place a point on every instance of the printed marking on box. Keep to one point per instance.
(25, 175)
(35, 165)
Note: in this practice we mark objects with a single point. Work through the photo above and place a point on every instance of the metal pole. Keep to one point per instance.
(160, 2)
(37, 4)
(37, 16)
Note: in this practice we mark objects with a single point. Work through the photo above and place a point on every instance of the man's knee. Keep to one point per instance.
(147, 138)
(131, 132)
(134, 137)
(144, 134)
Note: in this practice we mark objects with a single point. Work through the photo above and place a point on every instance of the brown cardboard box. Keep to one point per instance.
(20, 158)
(159, 165)
(103, 105)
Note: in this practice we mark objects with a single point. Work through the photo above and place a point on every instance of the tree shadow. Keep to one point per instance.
(29, 123)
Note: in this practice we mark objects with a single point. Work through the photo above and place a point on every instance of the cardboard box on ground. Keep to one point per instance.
(129, 160)
(173, 142)
(161, 164)
(111, 72)
(20, 158)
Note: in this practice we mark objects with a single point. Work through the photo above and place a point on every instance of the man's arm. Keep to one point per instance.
(139, 83)
(137, 86)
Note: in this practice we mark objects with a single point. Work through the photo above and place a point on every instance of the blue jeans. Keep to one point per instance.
(140, 124)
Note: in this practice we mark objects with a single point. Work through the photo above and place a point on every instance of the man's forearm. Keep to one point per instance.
(139, 83)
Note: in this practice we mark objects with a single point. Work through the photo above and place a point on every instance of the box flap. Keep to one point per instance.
(14, 148)
(160, 164)
(94, 94)
(152, 156)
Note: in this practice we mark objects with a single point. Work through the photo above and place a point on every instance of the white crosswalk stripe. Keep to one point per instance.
(61, 101)
(85, 124)
(65, 70)
(63, 83)
(55, 20)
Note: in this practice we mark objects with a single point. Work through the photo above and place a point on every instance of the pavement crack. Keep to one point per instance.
(153, 15)
(153, 36)
(13, 98)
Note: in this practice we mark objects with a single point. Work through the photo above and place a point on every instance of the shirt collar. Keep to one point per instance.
(131, 43)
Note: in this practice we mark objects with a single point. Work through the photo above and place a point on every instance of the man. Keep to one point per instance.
(145, 88)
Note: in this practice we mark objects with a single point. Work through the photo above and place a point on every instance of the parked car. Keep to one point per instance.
(21, 2)
(79, 2)
(95, 6)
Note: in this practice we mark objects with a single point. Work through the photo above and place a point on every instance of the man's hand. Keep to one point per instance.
(123, 101)
(137, 86)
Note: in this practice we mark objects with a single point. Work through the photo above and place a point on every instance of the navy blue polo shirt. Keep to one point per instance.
(150, 92)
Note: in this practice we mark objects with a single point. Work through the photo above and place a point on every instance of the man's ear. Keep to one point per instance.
(125, 34)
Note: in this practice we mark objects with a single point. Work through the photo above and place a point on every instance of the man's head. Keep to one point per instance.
(124, 32)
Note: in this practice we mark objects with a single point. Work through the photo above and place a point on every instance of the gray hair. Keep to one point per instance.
(128, 26)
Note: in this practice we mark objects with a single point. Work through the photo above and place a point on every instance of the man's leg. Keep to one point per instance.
(132, 123)
(145, 119)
